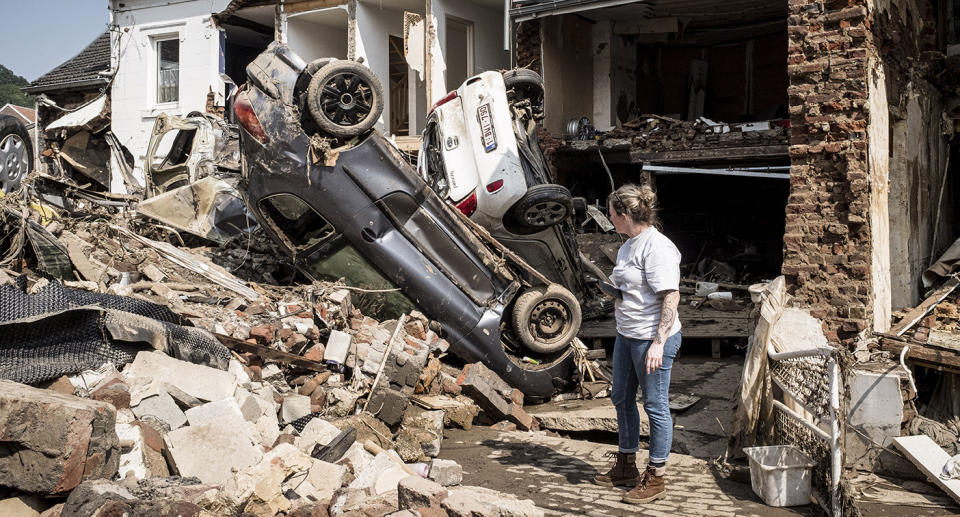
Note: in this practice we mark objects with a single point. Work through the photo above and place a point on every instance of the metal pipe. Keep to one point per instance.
(667, 170)
(836, 454)
(795, 354)
(814, 429)
(903, 363)
(507, 26)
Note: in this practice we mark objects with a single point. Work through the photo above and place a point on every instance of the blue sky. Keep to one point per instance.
(41, 34)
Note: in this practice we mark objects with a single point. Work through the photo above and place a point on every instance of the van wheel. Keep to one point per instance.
(16, 154)
(345, 98)
(546, 318)
(542, 207)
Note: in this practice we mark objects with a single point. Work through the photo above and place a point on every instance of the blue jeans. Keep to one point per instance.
(629, 373)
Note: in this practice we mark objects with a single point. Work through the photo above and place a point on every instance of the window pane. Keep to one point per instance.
(347, 264)
(168, 70)
(295, 220)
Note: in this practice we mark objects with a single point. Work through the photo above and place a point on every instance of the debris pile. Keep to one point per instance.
(201, 392)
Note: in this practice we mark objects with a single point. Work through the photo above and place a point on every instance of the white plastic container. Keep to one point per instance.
(780, 474)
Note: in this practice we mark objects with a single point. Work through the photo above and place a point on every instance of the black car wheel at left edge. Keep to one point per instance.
(363, 211)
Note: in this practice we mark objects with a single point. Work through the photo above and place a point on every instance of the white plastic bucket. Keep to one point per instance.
(780, 474)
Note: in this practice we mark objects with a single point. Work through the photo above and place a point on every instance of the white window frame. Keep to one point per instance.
(154, 89)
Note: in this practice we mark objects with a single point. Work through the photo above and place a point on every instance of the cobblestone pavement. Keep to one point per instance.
(557, 473)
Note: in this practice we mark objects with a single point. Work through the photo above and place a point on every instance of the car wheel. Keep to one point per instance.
(16, 153)
(546, 318)
(526, 84)
(345, 98)
(542, 207)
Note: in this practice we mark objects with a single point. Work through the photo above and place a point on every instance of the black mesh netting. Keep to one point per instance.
(60, 331)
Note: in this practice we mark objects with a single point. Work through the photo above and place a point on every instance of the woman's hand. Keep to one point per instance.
(654, 357)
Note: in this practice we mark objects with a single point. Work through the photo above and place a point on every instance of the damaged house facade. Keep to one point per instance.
(188, 58)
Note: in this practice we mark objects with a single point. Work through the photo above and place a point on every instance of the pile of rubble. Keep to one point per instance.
(299, 404)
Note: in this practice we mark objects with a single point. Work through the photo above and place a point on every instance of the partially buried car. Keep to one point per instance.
(480, 151)
(344, 204)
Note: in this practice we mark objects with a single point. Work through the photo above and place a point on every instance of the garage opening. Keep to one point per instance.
(690, 97)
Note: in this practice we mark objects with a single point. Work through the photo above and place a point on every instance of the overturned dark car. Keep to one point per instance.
(344, 204)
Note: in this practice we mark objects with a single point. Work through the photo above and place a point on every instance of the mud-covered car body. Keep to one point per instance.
(365, 206)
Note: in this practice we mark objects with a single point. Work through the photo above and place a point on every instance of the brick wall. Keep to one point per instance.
(528, 45)
(827, 240)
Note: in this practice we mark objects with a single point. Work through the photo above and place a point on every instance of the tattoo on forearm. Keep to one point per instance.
(668, 312)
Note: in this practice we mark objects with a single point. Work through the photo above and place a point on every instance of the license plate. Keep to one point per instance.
(486, 128)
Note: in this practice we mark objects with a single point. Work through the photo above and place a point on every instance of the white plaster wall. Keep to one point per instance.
(133, 94)
(488, 52)
(879, 172)
(311, 40)
(374, 27)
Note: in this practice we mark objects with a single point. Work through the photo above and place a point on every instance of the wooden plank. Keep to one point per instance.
(714, 154)
(917, 313)
(938, 358)
(269, 353)
(692, 328)
(929, 458)
(948, 340)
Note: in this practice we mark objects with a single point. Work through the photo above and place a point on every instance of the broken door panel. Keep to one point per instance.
(211, 208)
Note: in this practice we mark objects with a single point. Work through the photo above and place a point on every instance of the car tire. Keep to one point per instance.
(526, 84)
(345, 98)
(542, 207)
(546, 319)
(16, 153)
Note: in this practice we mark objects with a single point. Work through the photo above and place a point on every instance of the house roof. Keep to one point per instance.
(79, 71)
(27, 115)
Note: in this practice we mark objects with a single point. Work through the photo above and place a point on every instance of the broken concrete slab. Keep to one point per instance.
(368, 428)
(415, 492)
(22, 506)
(54, 441)
(161, 408)
(582, 415)
(294, 407)
(210, 451)
(470, 501)
(356, 458)
(224, 412)
(317, 431)
(205, 383)
(421, 434)
(446, 472)
(382, 474)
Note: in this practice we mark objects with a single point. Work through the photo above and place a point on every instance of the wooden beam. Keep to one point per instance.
(922, 353)
(917, 313)
(717, 154)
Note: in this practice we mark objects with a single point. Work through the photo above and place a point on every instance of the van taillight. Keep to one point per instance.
(247, 117)
(450, 96)
(469, 205)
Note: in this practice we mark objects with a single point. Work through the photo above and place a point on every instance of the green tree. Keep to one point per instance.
(10, 84)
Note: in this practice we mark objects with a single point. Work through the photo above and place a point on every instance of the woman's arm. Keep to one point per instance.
(668, 313)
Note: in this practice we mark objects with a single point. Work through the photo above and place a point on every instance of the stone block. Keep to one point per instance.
(252, 407)
(338, 346)
(51, 441)
(471, 501)
(414, 492)
(876, 403)
(211, 451)
(161, 408)
(268, 428)
(381, 475)
(202, 382)
(114, 392)
(317, 431)
(446, 472)
(21, 506)
(294, 406)
(356, 458)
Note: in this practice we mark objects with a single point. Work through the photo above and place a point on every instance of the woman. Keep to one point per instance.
(648, 339)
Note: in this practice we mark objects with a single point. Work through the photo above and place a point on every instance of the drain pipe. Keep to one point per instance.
(903, 364)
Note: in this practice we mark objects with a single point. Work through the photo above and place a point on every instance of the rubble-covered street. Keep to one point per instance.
(369, 258)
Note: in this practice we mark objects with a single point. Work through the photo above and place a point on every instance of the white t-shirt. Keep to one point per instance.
(647, 264)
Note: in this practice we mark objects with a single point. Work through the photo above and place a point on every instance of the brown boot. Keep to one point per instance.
(649, 487)
(623, 473)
